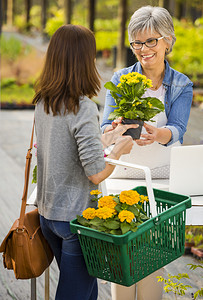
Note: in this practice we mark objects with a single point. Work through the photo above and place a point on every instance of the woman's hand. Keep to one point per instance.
(111, 136)
(113, 124)
(160, 135)
(123, 145)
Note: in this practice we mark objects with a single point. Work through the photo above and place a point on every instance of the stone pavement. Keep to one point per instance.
(15, 131)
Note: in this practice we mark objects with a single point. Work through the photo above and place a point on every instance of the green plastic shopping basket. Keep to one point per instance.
(128, 258)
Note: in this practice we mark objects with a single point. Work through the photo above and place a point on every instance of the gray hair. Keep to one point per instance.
(152, 19)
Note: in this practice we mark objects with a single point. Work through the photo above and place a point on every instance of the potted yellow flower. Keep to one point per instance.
(129, 102)
(115, 214)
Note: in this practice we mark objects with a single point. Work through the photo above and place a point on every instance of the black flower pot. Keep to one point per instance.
(133, 132)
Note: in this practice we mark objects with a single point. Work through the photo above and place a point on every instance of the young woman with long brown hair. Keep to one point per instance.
(70, 160)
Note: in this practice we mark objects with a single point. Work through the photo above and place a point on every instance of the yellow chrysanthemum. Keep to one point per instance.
(119, 85)
(106, 201)
(129, 197)
(126, 215)
(89, 213)
(149, 104)
(104, 212)
(95, 192)
(143, 198)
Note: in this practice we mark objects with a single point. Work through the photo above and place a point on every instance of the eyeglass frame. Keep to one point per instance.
(144, 43)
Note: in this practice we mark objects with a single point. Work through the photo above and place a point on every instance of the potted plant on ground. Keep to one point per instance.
(129, 102)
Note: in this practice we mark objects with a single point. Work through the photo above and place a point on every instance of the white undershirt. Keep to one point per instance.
(155, 156)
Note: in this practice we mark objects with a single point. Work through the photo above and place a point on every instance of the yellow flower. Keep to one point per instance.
(104, 212)
(89, 213)
(119, 85)
(143, 198)
(95, 192)
(149, 104)
(106, 201)
(129, 197)
(126, 215)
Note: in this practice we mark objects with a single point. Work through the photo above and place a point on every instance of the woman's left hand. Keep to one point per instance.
(149, 137)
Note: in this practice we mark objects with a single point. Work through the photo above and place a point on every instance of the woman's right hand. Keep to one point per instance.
(112, 135)
(113, 125)
(123, 145)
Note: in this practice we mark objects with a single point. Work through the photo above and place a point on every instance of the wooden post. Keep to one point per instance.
(27, 10)
(121, 51)
(44, 14)
(10, 13)
(91, 14)
(1, 16)
(68, 11)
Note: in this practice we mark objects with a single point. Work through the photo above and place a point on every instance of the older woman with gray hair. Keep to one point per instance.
(151, 37)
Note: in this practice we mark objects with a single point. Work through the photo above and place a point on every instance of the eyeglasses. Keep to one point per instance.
(150, 43)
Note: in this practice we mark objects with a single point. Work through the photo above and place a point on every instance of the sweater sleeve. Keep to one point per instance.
(86, 130)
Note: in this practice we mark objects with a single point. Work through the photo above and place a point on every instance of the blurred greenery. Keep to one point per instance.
(186, 57)
(12, 48)
(13, 93)
(187, 54)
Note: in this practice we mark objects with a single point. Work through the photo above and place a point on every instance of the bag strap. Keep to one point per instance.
(27, 173)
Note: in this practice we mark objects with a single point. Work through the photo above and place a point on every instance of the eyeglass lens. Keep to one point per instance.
(150, 43)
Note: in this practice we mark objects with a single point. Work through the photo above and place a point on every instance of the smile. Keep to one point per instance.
(147, 56)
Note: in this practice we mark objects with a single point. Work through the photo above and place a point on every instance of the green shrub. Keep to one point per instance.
(35, 15)
(13, 93)
(20, 23)
(187, 54)
(55, 21)
(12, 48)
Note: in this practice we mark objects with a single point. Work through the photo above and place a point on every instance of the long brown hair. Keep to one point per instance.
(69, 71)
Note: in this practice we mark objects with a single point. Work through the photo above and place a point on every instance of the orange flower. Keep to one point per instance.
(107, 201)
(104, 212)
(129, 197)
(89, 213)
(126, 215)
(143, 198)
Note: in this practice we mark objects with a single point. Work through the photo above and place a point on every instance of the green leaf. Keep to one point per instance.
(110, 86)
(134, 210)
(34, 175)
(114, 114)
(144, 217)
(81, 220)
(111, 224)
(116, 232)
(96, 221)
(125, 227)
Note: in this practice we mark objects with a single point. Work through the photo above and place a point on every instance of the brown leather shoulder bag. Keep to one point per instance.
(25, 250)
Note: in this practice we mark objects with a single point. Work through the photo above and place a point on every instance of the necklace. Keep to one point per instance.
(159, 82)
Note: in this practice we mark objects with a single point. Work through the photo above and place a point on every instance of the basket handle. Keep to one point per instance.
(147, 178)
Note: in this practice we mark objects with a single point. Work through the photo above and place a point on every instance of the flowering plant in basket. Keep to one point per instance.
(115, 214)
(129, 101)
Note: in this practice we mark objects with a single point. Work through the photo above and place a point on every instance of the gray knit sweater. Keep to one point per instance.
(68, 151)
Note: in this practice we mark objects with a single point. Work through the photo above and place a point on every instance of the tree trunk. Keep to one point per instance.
(27, 13)
(170, 6)
(91, 14)
(10, 13)
(121, 51)
(1, 16)
(68, 11)
(44, 14)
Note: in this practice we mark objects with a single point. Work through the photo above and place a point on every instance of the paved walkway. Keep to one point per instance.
(15, 130)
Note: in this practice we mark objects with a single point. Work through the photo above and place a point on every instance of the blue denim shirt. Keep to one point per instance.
(177, 102)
